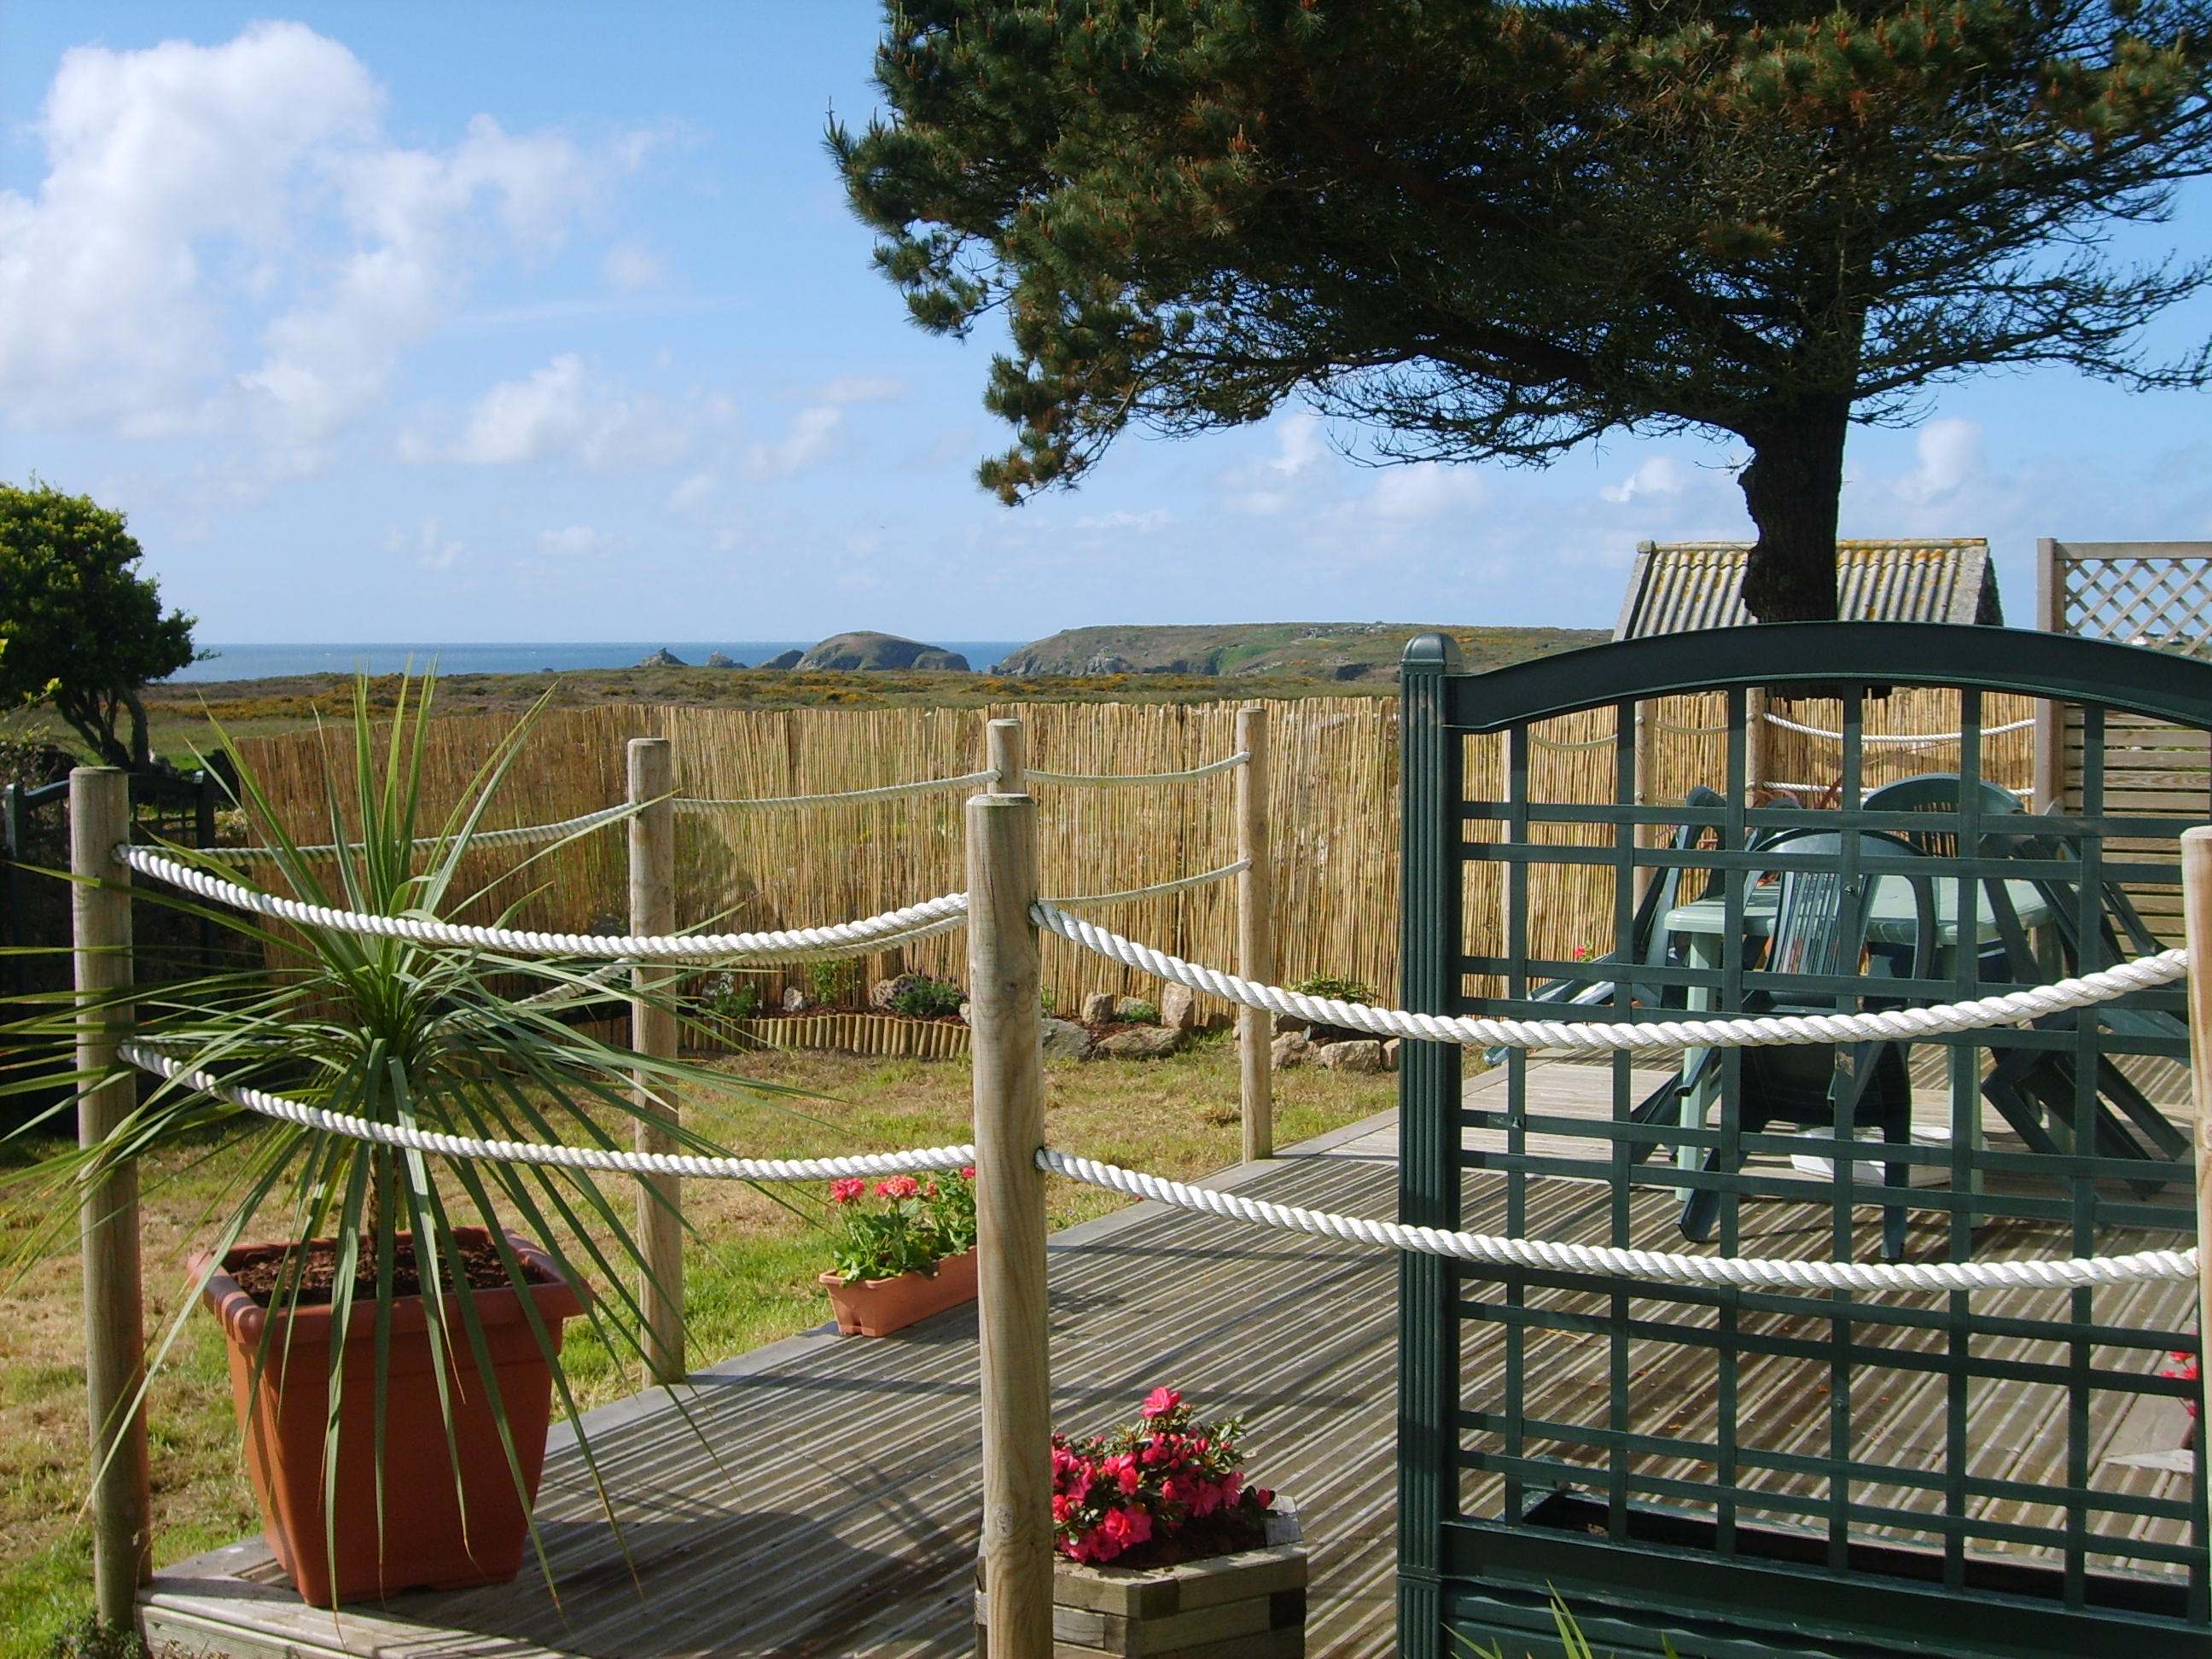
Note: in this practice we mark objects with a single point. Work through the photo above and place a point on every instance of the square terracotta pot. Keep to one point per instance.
(434, 1533)
(1250, 1605)
(877, 1307)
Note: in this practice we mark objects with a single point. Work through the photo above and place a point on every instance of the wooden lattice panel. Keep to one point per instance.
(2157, 594)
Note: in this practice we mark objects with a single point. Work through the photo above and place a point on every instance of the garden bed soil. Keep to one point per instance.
(262, 1276)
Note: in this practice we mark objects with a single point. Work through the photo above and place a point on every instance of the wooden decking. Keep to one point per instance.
(821, 1497)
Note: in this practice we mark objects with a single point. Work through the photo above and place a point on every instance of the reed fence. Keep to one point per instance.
(1333, 805)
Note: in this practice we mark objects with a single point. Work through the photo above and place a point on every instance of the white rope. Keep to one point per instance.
(1112, 779)
(1771, 1274)
(1473, 1247)
(1894, 1025)
(605, 1158)
(915, 920)
(1898, 737)
(1157, 888)
(887, 791)
(528, 832)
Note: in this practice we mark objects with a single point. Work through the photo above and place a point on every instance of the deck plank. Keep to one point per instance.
(823, 1499)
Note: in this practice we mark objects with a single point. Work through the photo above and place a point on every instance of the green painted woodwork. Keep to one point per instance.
(1732, 1470)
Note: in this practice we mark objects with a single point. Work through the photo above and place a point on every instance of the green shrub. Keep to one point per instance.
(728, 997)
(1143, 1013)
(833, 984)
(922, 997)
(1334, 989)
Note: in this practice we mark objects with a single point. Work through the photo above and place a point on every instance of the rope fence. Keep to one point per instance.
(798, 944)
(1491, 1249)
(1889, 1024)
(1136, 779)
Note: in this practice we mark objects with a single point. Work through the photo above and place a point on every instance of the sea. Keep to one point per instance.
(263, 662)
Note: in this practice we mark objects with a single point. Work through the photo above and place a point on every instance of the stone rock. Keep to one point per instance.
(880, 995)
(1361, 1054)
(1105, 662)
(1290, 1049)
(1065, 1039)
(664, 658)
(1390, 1054)
(1140, 1042)
(868, 653)
(1289, 1022)
(1136, 1008)
(965, 1008)
(722, 659)
(1178, 1007)
(783, 659)
(1098, 1008)
(795, 1000)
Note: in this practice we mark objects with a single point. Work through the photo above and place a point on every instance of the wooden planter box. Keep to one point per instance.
(1251, 1605)
(887, 1035)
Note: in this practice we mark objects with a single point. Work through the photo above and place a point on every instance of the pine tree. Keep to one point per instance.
(1490, 229)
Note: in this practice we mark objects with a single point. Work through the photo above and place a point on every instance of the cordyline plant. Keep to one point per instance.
(397, 1033)
(1166, 1488)
(917, 1224)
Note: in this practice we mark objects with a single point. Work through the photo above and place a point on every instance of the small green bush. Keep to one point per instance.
(924, 998)
(728, 997)
(1334, 989)
(1143, 1013)
(833, 984)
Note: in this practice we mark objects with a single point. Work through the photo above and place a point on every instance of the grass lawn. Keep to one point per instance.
(751, 1280)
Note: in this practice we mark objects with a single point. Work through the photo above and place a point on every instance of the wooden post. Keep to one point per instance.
(114, 1325)
(1255, 941)
(1758, 743)
(652, 1033)
(2049, 717)
(1009, 1069)
(2197, 917)
(1008, 755)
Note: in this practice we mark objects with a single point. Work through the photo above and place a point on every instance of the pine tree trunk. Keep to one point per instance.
(1791, 486)
(141, 752)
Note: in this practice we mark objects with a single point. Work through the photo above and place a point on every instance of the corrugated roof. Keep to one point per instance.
(1676, 586)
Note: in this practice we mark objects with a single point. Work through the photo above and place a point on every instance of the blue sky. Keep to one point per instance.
(548, 322)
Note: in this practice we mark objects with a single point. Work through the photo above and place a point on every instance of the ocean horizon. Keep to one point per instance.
(266, 662)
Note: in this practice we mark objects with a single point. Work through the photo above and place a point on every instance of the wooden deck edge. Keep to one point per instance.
(195, 1606)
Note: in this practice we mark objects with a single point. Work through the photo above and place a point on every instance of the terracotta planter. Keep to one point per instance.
(1250, 1605)
(426, 1540)
(877, 1307)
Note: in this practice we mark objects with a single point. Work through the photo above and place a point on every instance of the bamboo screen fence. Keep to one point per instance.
(1333, 812)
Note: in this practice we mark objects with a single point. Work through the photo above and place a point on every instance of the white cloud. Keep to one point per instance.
(1950, 456)
(811, 437)
(427, 544)
(1426, 490)
(1656, 475)
(1266, 488)
(558, 413)
(572, 542)
(226, 231)
(629, 268)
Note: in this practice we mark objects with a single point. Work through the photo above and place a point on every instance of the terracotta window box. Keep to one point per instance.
(877, 1307)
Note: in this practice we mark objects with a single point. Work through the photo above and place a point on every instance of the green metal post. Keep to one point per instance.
(1430, 944)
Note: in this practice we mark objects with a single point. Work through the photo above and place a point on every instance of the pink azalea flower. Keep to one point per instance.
(1161, 1402)
(967, 1172)
(898, 1186)
(844, 1192)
